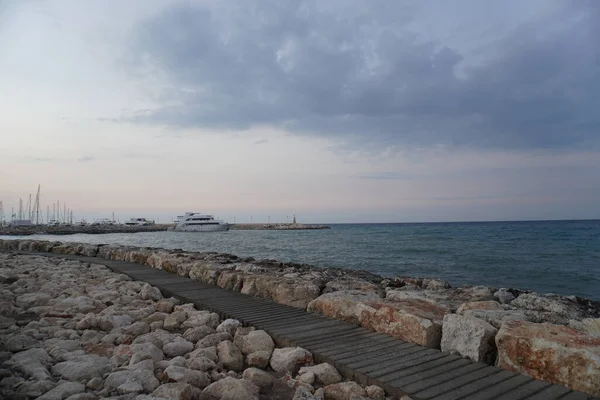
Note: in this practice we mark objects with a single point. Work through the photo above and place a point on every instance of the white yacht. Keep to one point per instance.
(139, 221)
(198, 222)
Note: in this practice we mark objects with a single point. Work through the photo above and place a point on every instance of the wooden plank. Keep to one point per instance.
(415, 383)
(576, 396)
(553, 392)
(498, 389)
(408, 369)
(392, 365)
(524, 391)
(345, 354)
(458, 382)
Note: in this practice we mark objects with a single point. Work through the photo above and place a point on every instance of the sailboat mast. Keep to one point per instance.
(37, 206)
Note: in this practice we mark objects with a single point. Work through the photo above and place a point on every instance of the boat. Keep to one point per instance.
(139, 221)
(199, 222)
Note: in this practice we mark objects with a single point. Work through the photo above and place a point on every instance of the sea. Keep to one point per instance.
(545, 256)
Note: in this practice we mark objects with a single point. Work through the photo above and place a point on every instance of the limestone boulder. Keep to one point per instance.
(469, 337)
(229, 326)
(325, 373)
(174, 391)
(145, 378)
(289, 359)
(414, 321)
(295, 293)
(262, 379)
(198, 333)
(550, 308)
(342, 305)
(178, 347)
(492, 312)
(553, 353)
(212, 340)
(185, 375)
(82, 367)
(259, 359)
(347, 283)
(230, 389)
(230, 356)
(344, 391)
(257, 340)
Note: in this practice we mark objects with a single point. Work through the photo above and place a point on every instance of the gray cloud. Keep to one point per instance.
(86, 159)
(369, 73)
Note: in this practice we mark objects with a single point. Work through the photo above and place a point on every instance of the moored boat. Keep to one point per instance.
(199, 222)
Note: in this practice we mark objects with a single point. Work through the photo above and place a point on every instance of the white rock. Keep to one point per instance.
(343, 391)
(198, 333)
(130, 387)
(259, 359)
(287, 359)
(145, 351)
(82, 368)
(212, 340)
(257, 341)
(469, 337)
(180, 374)
(174, 320)
(324, 373)
(260, 378)
(375, 392)
(150, 292)
(200, 363)
(143, 377)
(211, 320)
(175, 391)
(229, 326)
(230, 356)
(231, 389)
(303, 393)
(178, 347)
(63, 390)
(306, 377)
(504, 296)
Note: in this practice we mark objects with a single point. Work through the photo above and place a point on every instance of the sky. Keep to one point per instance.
(337, 111)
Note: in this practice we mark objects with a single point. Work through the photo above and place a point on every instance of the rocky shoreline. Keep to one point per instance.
(547, 336)
(77, 331)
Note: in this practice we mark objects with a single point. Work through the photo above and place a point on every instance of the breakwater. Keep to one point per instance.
(74, 229)
(277, 227)
(105, 229)
(549, 337)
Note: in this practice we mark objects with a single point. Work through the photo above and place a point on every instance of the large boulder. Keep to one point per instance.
(324, 373)
(415, 321)
(551, 308)
(469, 337)
(230, 356)
(553, 353)
(257, 341)
(288, 359)
(344, 391)
(342, 304)
(83, 367)
(230, 389)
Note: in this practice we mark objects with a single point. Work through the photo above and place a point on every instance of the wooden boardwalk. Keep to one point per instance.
(362, 355)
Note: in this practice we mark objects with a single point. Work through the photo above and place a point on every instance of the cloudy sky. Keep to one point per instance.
(337, 110)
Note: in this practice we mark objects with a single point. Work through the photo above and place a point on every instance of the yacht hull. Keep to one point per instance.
(202, 228)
